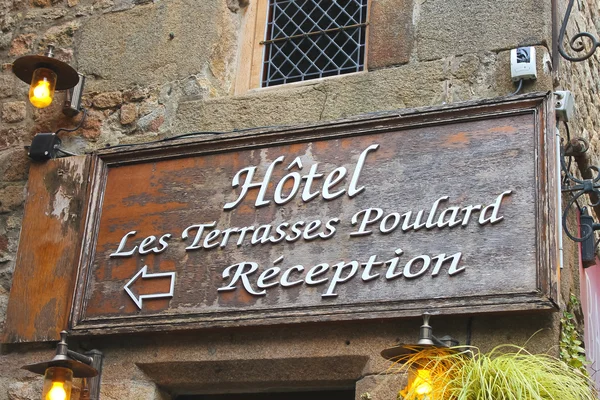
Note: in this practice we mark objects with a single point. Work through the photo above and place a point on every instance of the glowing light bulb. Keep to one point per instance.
(57, 392)
(42, 87)
(422, 382)
(58, 383)
(419, 385)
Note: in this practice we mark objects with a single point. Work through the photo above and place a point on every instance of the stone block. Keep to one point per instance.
(14, 111)
(446, 28)
(386, 89)
(25, 390)
(390, 33)
(14, 135)
(133, 47)
(128, 114)
(92, 126)
(108, 100)
(61, 35)
(131, 391)
(235, 5)
(14, 165)
(5, 38)
(152, 121)
(21, 45)
(41, 3)
(134, 94)
(285, 106)
(380, 387)
(7, 83)
(11, 198)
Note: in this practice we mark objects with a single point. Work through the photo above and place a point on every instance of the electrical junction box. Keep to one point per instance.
(523, 64)
(564, 105)
(44, 146)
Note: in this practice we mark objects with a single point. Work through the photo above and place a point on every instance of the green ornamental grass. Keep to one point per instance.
(508, 372)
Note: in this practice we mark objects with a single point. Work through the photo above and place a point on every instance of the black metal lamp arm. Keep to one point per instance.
(574, 43)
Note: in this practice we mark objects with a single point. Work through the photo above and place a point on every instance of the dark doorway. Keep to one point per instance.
(320, 395)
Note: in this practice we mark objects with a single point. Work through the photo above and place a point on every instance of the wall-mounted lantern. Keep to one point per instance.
(45, 74)
(66, 365)
(420, 374)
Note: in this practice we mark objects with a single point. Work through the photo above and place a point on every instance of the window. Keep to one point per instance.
(308, 39)
(295, 40)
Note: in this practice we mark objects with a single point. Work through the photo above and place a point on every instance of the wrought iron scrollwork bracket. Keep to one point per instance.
(577, 43)
(578, 189)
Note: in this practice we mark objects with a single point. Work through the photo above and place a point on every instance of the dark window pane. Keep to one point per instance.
(309, 39)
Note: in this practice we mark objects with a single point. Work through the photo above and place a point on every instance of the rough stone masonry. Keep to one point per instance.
(159, 68)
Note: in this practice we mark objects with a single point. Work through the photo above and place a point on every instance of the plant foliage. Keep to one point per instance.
(571, 350)
(506, 373)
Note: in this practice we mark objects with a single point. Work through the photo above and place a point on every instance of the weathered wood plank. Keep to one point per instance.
(46, 265)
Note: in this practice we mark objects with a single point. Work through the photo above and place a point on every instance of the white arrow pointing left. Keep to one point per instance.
(145, 275)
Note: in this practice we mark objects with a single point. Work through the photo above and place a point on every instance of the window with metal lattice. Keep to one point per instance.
(308, 39)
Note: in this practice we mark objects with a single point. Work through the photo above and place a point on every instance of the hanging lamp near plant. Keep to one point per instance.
(508, 372)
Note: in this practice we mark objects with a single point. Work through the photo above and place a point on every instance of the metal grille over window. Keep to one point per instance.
(308, 39)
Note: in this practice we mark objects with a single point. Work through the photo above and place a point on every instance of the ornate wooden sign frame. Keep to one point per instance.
(527, 121)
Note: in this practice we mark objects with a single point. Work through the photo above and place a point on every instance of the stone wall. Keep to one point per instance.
(583, 80)
(159, 68)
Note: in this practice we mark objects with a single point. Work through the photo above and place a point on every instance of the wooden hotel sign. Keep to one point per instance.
(451, 210)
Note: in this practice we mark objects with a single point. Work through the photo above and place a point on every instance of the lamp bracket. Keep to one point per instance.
(577, 42)
(584, 189)
(87, 366)
(427, 340)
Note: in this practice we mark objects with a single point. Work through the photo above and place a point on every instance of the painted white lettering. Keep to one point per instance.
(415, 226)
(311, 228)
(441, 259)
(199, 233)
(120, 252)
(212, 235)
(366, 220)
(452, 221)
(285, 278)
(248, 184)
(242, 270)
(352, 189)
(144, 249)
(312, 175)
(278, 196)
(468, 210)
(393, 263)
(330, 228)
(316, 271)
(226, 234)
(337, 276)
(383, 226)
(333, 179)
(495, 208)
(366, 275)
(431, 220)
(408, 274)
(267, 274)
